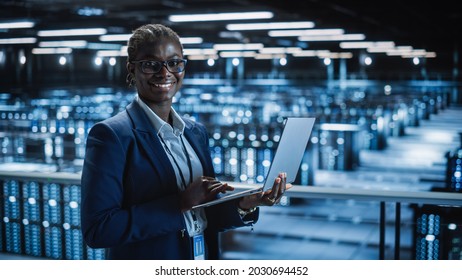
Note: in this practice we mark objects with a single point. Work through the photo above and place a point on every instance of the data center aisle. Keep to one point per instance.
(349, 230)
(325, 229)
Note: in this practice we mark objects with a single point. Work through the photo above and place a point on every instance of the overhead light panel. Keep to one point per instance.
(115, 37)
(18, 41)
(112, 53)
(17, 24)
(61, 44)
(280, 50)
(202, 57)
(366, 45)
(126, 37)
(343, 37)
(336, 55)
(191, 40)
(221, 16)
(51, 50)
(199, 51)
(230, 54)
(237, 47)
(309, 32)
(72, 32)
(270, 25)
(311, 53)
(263, 56)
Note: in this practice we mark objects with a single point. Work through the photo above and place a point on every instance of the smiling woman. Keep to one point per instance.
(146, 168)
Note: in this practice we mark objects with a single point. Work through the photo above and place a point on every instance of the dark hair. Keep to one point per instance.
(149, 33)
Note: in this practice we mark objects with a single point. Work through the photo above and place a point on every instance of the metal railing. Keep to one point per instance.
(41, 212)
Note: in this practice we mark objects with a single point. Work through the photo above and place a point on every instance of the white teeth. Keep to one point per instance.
(163, 85)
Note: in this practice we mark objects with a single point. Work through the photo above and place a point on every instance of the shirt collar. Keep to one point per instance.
(160, 125)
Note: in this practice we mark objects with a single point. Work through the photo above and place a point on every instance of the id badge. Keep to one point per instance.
(199, 247)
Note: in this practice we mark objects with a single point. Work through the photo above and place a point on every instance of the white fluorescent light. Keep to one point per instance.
(311, 53)
(404, 48)
(365, 45)
(336, 55)
(72, 32)
(199, 52)
(191, 40)
(263, 56)
(270, 25)
(112, 53)
(17, 24)
(60, 44)
(272, 50)
(237, 47)
(343, 37)
(399, 51)
(309, 32)
(52, 51)
(126, 37)
(220, 16)
(238, 54)
(202, 57)
(25, 40)
(378, 49)
(276, 50)
(356, 45)
(115, 37)
(415, 53)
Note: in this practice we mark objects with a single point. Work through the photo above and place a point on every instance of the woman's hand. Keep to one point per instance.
(202, 190)
(267, 198)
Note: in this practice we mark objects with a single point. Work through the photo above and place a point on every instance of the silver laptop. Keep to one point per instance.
(288, 157)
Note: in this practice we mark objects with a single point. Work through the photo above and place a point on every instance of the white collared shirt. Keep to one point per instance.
(172, 140)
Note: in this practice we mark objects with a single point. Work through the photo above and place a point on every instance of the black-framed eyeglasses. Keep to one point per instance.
(152, 66)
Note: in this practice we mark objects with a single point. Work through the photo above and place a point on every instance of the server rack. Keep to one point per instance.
(41, 217)
(438, 232)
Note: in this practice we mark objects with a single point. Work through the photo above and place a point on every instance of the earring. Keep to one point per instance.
(130, 80)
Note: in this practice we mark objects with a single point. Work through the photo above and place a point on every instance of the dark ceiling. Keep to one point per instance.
(434, 26)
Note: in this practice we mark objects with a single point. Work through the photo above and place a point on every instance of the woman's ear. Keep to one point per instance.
(131, 74)
(130, 68)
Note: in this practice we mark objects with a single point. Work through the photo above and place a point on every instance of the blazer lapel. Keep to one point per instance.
(193, 136)
(149, 141)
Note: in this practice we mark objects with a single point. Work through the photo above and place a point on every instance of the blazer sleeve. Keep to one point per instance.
(223, 216)
(108, 217)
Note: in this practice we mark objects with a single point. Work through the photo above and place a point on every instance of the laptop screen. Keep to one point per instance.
(290, 150)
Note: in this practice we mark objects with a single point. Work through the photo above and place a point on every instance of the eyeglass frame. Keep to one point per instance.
(163, 63)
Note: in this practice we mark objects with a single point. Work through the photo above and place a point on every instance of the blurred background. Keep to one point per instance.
(383, 80)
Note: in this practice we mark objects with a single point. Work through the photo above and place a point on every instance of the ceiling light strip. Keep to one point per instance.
(18, 41)
(304, 32)
(238, 47)
(270, 25)
(72, 32)
(325, 38)
(61, 44)
(221, 16)
(17, 24)
(51, 50)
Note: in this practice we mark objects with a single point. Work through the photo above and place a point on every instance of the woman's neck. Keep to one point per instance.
(162, 111)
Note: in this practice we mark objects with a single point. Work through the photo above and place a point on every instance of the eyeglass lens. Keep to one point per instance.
(174, 66)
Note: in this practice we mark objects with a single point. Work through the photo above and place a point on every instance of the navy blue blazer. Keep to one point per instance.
(130, 199)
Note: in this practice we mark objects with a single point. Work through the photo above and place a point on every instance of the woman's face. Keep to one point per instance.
(158, 88)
